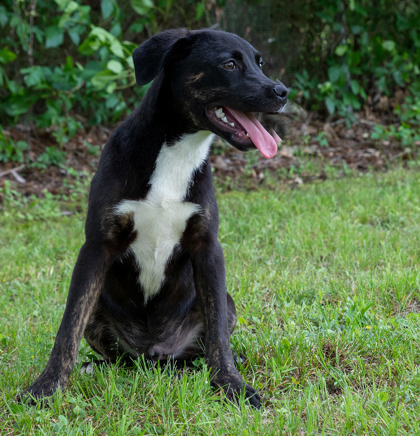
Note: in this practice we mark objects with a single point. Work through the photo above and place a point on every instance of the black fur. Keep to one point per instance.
(106, 301)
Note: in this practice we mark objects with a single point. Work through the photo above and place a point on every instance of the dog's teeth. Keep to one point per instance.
(232, 124)
(219, 112)
(225, 119)
(247, 134)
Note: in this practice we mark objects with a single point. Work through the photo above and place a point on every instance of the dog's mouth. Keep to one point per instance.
(243, 129)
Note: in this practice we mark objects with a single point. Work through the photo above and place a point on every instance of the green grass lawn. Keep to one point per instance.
(327, 287)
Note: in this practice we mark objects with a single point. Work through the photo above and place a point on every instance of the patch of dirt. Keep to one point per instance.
(81, 157)
(305, 138)
(336, 357)
(412, 306)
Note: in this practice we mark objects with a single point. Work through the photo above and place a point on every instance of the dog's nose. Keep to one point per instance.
(282, 91)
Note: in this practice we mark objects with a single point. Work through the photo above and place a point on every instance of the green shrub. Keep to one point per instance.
(357, 49)
(73, 58)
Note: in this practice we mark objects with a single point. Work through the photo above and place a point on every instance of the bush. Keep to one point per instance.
(354, 52)
(74, 58)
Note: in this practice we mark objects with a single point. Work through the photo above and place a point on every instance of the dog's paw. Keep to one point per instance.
(87, 368)
(234, 387)
(159, 352)
(252, 396)
(38, 392)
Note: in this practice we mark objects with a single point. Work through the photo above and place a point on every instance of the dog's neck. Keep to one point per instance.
(176, 164)
(156, 125)
(164, 116)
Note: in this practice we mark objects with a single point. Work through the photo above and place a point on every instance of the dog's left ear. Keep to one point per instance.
(149, 57)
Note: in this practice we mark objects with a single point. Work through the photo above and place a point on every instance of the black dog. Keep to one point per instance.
(150, 278)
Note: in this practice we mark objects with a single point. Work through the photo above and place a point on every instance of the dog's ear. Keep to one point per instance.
(149, 57)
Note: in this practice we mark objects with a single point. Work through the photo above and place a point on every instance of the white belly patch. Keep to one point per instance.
(161, 218)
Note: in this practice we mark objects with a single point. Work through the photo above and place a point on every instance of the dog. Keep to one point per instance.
(150, 277)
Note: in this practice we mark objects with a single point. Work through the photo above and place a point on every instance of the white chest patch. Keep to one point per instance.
(160, 219)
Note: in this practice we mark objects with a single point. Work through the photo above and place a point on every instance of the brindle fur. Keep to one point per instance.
(106, 301)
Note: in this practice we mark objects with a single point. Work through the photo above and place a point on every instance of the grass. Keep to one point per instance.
(326, 282)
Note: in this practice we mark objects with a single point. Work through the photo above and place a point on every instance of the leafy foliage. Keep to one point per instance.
(354, 52)
(72, 58)
(75, 57)
(10, 151)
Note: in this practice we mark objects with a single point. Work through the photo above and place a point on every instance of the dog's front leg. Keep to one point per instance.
(85, 287)
(210, 282)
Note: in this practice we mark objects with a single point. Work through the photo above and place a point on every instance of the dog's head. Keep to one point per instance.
(216, 80)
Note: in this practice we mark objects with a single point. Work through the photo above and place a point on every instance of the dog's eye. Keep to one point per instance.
(261, 63)
(230, 65)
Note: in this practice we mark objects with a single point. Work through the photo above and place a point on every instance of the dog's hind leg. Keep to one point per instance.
(88, 367)
(85, 287)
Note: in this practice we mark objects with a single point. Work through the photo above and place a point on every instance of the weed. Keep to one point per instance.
(51, 156)
(11, 151)
(322, 139)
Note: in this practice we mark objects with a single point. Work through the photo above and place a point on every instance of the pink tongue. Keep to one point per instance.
(266, 143)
